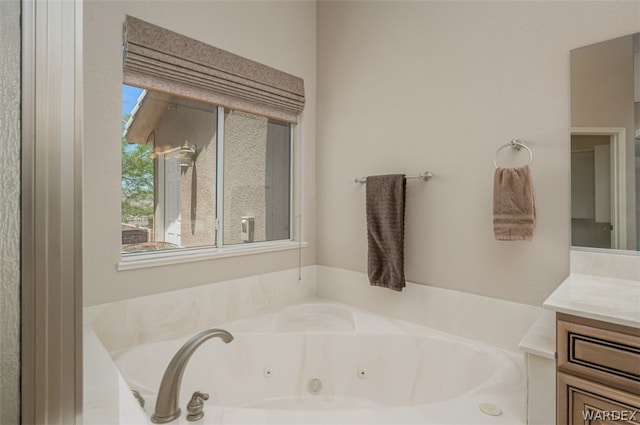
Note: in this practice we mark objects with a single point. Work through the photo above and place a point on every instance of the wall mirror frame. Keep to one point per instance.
(605, 146)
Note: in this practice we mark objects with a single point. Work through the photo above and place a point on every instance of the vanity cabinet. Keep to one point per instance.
(598, 372)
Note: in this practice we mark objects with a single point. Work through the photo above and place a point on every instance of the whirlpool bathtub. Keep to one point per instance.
(327, 363)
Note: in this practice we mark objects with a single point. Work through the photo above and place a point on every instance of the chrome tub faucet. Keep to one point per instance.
(169, 393)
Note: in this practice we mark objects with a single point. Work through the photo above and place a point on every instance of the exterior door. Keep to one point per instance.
(172, 195)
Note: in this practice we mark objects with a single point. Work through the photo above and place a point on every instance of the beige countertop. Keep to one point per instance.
(599, 298)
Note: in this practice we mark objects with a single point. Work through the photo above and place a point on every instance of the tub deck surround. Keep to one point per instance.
(174, 316)
(130, 322)
(107, 397)
(540, 340)
(539, 346)
(373, 369)
(489, 320)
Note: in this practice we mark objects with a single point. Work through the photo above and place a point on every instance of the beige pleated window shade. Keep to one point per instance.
(162, 60)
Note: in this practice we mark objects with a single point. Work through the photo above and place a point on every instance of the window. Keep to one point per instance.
(206, 146)
(200, 175)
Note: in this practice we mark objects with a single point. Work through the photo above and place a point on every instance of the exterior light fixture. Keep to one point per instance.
(187, 154)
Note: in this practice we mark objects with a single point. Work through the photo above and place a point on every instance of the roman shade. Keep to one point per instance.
(162, 60)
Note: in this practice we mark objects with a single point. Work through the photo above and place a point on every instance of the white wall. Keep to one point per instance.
(10, 212)
(278, 34)
(412, 86)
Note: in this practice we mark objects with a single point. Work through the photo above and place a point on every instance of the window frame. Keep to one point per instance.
(143, 259)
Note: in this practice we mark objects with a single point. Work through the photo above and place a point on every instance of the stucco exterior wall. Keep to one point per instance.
(245, 153)
(10, 212)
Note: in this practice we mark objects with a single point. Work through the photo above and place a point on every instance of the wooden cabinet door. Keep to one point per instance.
(588, 403)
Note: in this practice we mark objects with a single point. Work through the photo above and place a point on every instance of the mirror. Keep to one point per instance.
(605, 145)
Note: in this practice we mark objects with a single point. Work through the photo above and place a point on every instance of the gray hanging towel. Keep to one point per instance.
(385, 198)
(514, 210)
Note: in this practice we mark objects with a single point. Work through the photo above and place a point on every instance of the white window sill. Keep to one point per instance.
(188, 255)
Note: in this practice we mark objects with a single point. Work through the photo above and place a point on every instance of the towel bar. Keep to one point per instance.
(425, 175)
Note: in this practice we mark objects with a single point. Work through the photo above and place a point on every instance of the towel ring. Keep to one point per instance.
(515, 144)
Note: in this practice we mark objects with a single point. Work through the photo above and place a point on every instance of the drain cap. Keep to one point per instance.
(490, 409)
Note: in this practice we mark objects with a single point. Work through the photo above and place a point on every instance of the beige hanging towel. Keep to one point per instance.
(514, 211)
(385, 199)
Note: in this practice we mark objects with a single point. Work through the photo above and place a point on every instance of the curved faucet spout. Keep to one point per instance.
(169, 393)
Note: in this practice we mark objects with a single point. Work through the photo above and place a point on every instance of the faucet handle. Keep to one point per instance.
(196, 406)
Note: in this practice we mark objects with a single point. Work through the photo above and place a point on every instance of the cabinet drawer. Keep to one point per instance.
(602, 352)
(584, 402)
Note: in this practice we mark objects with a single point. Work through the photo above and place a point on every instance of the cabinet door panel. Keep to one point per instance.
(585, 402)
(610, 356)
